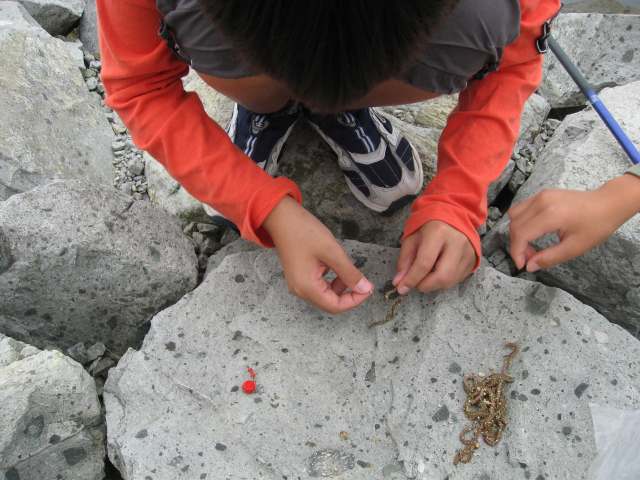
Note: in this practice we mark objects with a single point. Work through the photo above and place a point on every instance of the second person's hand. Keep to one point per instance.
(307, 251)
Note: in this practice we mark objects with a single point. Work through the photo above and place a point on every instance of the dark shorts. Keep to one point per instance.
(469, 44)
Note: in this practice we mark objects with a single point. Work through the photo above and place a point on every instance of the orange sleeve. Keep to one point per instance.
(142, 79)
(480, 134)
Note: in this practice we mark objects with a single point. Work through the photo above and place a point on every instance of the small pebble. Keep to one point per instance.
(92, 83)
(117, 146)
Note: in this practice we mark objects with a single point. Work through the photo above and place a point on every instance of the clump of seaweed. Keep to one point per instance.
(486, 407)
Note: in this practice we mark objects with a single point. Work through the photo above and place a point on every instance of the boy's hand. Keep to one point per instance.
(436, 257)
(307, 250)
(582, 220)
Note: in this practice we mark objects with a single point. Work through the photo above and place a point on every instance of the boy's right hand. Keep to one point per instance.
(307, 251)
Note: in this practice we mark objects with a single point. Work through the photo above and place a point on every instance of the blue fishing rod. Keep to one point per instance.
(588, 91)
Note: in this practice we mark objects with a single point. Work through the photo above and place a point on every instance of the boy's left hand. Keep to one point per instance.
(436, 257)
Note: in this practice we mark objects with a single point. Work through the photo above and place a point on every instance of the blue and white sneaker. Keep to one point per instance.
(382, 169)
(261, 137)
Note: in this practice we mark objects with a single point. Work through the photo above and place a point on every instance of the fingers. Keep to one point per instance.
(338, 260)
(453, 266)
(526, 228)
(568, 248)
(324, 296)
(407, 256)
(424, 261)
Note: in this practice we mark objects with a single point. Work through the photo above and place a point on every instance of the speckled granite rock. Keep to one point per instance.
(50, 422)
(605, 47)
(82, 263)
(51, 127)
(337, 399)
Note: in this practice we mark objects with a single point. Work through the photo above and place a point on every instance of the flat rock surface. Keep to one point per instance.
(606, 48)
(82, 263)
(50, 422)
(336, 399)
(51, 127)
(582, 155)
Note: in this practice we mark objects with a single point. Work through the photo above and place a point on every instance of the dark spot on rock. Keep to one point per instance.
(350, 229)
(539, 298)
(513, 394)
(284, 350)
(171, 346)
(535, 391)
(567, 430)
(484, 476)
(53, 439)
(221, 447)
(580, 389)
(433, 380)
(239, 278)
(363, 464)
(35, 426)
(540, 477)
(237, 335)
(112, 322)
(142, 433)
(359, 261)
(30, 312)
(74, 455)
(416, 339)
(614, 382)
(12, 474)
(370, 376)
(455, 368)
(522, 397)
(257, 400)
(155, 254)
(441, 415)
(553, 379)
(235, 388)
(203, 476)
(628, 56)
(525, 374)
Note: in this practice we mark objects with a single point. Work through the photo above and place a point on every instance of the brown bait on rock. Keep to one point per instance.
(391, 296)
(486, 407)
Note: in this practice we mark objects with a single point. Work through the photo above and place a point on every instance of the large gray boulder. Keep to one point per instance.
(605, 48)
(50, 421)
(57, 17)
(582, 155)
(83, 263)
(338, 399)
(50, 126)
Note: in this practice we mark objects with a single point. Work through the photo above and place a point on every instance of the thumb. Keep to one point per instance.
(408, 252)
(567, 249)
(347, 272)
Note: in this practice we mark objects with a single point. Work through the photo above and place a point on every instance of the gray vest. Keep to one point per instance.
(469, 43)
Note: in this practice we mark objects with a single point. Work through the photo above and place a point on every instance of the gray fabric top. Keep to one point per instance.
(468, 43)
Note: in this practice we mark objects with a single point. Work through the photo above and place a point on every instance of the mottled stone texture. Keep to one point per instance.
(50, 422)
(339, 399)
(82, 263)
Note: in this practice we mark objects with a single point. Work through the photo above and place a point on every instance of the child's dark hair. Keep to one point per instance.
(330, 51)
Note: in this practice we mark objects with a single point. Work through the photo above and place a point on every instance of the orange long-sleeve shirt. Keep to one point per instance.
(142, 78)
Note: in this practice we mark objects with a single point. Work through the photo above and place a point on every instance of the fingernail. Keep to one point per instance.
(363, 286)
(399, 276)
(532, 267)
(403, 290)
